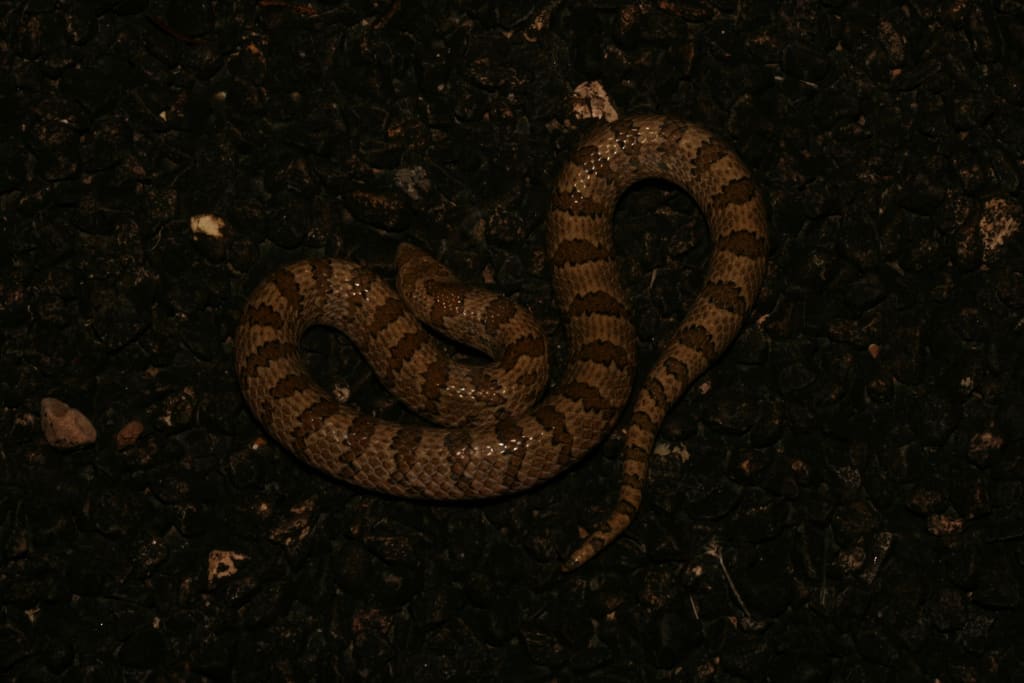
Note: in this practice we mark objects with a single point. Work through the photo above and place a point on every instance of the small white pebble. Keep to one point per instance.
(207, 224)
(63, 426)
(591, 101)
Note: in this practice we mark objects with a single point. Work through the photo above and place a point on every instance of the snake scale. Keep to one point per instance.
(514, 446)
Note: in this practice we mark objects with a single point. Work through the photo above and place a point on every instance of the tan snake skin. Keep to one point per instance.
(507, 448)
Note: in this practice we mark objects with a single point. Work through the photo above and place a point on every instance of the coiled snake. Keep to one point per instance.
(511, 447)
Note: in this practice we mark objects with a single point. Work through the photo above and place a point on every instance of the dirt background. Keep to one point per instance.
(838, 499)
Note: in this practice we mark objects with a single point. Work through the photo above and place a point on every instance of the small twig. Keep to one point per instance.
(713, 551)
(161, 24)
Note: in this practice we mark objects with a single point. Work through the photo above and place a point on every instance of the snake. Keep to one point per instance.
(481, 446)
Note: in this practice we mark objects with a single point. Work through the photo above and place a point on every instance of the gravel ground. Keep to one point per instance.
(838, 499)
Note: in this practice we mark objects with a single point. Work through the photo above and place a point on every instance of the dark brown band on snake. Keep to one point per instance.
(508, 449)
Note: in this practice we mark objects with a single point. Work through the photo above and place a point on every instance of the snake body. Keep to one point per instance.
(513, 448)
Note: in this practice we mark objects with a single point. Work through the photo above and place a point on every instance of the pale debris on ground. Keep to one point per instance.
(63, 426)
